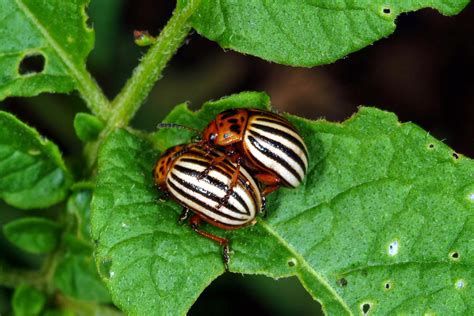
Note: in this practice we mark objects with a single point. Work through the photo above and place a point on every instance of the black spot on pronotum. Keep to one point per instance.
(387, 10)
(31, 64)
(342, 282)
(366, 308)
(235, 128)
(455, 156)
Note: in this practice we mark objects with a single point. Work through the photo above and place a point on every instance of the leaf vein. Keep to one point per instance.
(306, 265)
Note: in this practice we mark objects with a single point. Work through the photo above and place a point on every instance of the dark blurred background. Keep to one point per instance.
(423, 73)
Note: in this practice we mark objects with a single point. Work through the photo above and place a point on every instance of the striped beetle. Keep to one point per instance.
(179, 173)
(264, 142)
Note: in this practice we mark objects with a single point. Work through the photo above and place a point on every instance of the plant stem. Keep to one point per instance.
(12, 277)
(145, 75)
(151, 66)
(92, 94)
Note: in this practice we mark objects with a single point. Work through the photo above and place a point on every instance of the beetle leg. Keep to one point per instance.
(232, 184)
(214, 162)
(270, 181)
(269, 189)
(184, 215)
(263, 210)
(194, 222)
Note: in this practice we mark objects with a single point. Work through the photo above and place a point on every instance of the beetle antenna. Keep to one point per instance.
(174, 125)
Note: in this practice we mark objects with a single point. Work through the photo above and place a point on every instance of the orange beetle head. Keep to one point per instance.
(228, 128)
(164, 163)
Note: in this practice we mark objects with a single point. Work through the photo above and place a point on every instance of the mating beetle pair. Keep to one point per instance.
(211, 178)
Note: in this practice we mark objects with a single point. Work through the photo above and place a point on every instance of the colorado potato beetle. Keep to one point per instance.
(264, 142)
(179, 173)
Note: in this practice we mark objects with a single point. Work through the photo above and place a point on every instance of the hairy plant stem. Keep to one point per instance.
(92, 94)
(12, 277)
(145, 75)
(151, 66)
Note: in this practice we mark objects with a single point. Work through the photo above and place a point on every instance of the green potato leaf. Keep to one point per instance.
(87, 126)
(32, 172)
(44, 46)
(305, 32)
(78, 204)
(383, 222)
(28, 301)
(76, 274)
(33, 234)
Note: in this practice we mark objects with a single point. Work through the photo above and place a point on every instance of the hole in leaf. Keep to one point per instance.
(455, 156)
(471, 197)
(393, 248)
(431, 146)
(366, 308)
(32, 64)
(342, 282)
(386, 10)
(292, 262)
(460, 284)
(455, 255)
(387, 285)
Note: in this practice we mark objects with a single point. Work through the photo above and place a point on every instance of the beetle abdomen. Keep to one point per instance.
(274, 144)
(204, 195)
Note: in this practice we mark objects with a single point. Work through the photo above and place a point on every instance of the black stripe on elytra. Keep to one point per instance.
(281, 133)
(214, 182)
(217, 183)
(226, 168)
(204, 193)
(276, 120)
(202, 204)
(288, 151)
(274, 157)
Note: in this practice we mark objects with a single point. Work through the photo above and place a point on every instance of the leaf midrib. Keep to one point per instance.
(305, 265)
